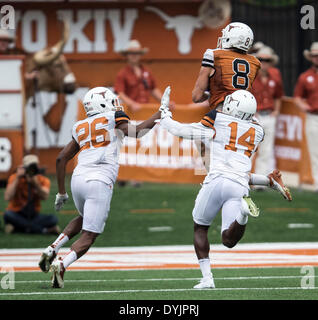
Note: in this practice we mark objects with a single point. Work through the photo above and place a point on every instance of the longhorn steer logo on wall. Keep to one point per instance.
(183, 25)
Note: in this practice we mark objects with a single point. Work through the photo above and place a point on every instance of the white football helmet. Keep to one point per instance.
(236, 35)
(240, 104)
(100, 99)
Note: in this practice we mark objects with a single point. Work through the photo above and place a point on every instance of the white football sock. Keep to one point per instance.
(242, 216)
(242, 219)
(205, 267)
(259, 180)
(59, 242)
(69, 259)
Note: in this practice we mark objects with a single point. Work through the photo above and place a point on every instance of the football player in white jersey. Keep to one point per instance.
(233, 137)
(97, 140)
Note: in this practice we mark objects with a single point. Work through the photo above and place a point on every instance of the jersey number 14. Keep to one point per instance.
(246, 139)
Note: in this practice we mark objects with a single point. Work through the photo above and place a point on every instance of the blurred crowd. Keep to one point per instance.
(268, 90)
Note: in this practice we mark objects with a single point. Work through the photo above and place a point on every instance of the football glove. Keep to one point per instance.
(166, 113)
(60, 199)
(165, 101)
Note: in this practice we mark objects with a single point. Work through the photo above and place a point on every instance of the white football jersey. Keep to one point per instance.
(99, 146)
(232, 142)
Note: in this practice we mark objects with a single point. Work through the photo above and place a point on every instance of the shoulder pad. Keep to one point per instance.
(120, 117)
(209, 119)
(208, 58)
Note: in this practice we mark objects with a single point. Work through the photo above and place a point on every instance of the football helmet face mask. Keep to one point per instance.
(100, 99)
(240, 104)
(236, 35)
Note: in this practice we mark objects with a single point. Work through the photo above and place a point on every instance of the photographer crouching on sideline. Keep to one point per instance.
(25, 190)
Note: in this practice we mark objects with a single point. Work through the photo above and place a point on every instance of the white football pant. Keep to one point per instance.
(219, 193)
(92, 199)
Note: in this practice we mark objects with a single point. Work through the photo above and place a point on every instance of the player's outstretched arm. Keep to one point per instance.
(141, 129)
(68, 153)
(194, 131)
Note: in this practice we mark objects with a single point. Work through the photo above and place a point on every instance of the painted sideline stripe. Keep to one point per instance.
(176, 266)
(174, 257)
(169, 279)
(297, 251)
(148, 290)
(245, 246)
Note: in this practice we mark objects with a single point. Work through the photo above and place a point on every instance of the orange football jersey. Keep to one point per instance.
(233, 71)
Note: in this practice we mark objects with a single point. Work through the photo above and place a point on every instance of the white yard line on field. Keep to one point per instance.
(169, 279)
(146, 290)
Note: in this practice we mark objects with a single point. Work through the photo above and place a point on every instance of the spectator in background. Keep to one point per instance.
(25, 190)
(255, 47)
(306, 99)
(135, 83)
(268, 91)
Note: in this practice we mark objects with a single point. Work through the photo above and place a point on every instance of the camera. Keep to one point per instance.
(32, 170)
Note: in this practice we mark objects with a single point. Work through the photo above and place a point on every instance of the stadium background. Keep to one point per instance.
(136, 212)
(174, 59)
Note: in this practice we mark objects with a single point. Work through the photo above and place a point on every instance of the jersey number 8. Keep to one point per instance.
(240, 79)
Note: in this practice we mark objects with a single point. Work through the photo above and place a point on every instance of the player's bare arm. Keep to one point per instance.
(201, 85)
(68, 153)
(141, 129)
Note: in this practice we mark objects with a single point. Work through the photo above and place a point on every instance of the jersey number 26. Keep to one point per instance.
(94, 137)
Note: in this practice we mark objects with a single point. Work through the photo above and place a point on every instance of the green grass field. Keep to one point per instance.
(125, 227)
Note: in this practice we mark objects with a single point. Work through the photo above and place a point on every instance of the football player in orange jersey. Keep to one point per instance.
(227, 68)
(230, 173)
